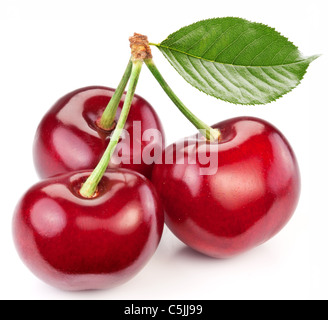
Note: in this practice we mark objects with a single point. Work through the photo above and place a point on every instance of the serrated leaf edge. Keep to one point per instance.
(229, 17)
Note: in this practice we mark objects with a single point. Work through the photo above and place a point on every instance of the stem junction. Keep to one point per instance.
(141, 53)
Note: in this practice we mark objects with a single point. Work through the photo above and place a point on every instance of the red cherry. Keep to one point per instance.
(75, 243)
(68, 138)
(246, 200)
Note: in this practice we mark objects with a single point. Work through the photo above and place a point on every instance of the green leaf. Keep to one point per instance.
(236, 60)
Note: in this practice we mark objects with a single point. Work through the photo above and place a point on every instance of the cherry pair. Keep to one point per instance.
(81, 229)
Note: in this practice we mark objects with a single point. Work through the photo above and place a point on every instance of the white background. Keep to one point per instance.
(49, 48)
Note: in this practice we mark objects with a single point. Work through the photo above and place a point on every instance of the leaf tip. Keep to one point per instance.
(314, 57)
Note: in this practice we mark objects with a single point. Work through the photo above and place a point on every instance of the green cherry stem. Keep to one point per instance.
(89, 188)
(107, 119)
(209, 133)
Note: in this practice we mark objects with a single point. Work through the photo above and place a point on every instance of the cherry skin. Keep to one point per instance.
(246, 200)
(68, 138)
(74, 243)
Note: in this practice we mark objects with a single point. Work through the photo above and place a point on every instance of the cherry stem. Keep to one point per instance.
(89, 188)
(108, 117)
(208, 132)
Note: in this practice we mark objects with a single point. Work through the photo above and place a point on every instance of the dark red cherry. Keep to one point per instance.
(75, 243)
(225, 198)
(68, 138)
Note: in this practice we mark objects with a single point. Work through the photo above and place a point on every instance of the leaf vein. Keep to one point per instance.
(248, 83)
(181, 65)
(224, 76)
(194, 44)
(241, 92)
(218, 38)
(262, 49)
(291, 78)
(282, 48)
(216, 80)
(244, 49)
(200, 74)
(291, 51)
(257, 78)
(233, 42)
(270, 76)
